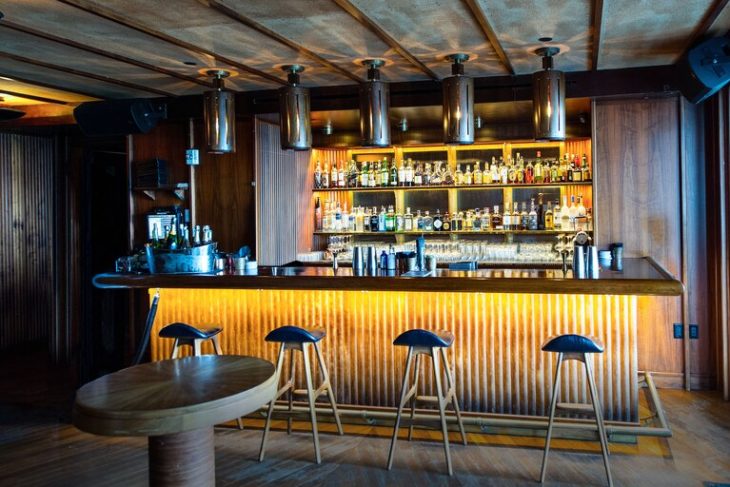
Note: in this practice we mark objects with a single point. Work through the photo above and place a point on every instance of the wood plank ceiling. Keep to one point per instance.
(68, 51)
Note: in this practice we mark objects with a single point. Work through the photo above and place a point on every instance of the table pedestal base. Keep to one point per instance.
(182, 459)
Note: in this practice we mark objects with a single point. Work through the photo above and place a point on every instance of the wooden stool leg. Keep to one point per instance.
(551, 419)
(267, 425)
(217, 345)
(403, 395)
(452, 392)
(599, 417)
(311, 399)
(196, 347)
(330, 392)
(175, 348)
(292, 370)
(442, 406)
(413, 401)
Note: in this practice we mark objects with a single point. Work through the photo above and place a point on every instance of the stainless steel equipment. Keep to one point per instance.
(199, 259)
(219, 114)
(374, 107)
(548, 98)
(458, 103)
(296, 129)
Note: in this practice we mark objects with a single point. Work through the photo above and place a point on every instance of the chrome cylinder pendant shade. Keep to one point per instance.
(219, 115)
(548, 98)
(295, 124)
(458, 103)
(374, 107)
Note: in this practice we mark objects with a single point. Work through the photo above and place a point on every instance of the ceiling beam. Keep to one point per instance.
(366, 21)
(248, 22)
(13, 77)
(32, 97)
(84, 74)
(597, 33)
(107, 14)
(101, 52)
(710, 17)
(481, 18)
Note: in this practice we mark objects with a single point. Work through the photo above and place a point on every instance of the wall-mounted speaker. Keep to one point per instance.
(705, 69)
(119, 117)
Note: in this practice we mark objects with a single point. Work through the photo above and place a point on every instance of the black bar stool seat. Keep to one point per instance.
(433, 344)
(575, 347)
(295, 338)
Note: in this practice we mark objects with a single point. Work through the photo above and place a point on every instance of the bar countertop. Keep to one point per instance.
(640, 276)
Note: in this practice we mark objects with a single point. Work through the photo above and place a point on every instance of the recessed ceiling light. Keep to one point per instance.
(190, 63)
(545, 39)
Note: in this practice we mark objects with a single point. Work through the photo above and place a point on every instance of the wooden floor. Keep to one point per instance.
(39, 447)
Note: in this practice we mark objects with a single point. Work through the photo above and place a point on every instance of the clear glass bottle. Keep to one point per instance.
(539, 170)
(529, 173)
(516, 219)
(438, 224)
(507, 218)
(399, 222)
(408, 220)
(478, 176)
(426, 178)
(390, 219)
(409, 173)
(446, 222)
(427, 222)
(468, 176)
(524, 217)
(557, 216)
(418, 221)
(372, 175)
(326, 176)
(401, 174)
(375, 220)
(458, 176)
(381, 219)
(352, 175)
(497, 219)
(418, 176)
(318, 176)
(393, 175)
(364, 175)
(549, 221)
(486, 218)
(532, 216)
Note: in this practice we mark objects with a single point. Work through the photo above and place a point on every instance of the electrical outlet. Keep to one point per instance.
(694, 332)
(678, 331)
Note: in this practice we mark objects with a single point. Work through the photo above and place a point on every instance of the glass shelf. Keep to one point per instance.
(457, 232)
(452, 186)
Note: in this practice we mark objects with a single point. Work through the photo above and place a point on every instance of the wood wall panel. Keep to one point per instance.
(499, 366)
(637, 192)
(28, 183)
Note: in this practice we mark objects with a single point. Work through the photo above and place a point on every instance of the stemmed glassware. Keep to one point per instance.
(336, 245)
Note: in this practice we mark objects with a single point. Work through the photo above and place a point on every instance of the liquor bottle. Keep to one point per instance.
(520, 171)
(458, 176)
(529, 173)
(427, 222)
(156, 244)
(426, 177)
(418, 176)
(454, 223)
(401, 174)
(549, 221)
(409, 173)
(353, 177)
(511, 172)
(468, 176)
(532, 216)
(418, 221)
(524, 217)
(446, 222)
(497, 219)
(438, 222)
(390, 219)
(554, 172)
(476, 223)
(459, 221)
(408, 220)
(565, 215)
(393, 175)
(359, 220)
(326, 176)
(196, 236)
(577, 172)
(207, 235)
(337, 223)
(366, 220)
(585, 170)
(540, 212)
(569, 168)
(468, 221)
(374, 219)
(516, 217)
(478, 176)
(333, 175)
(538, 170)
(364, 175)
(437, 175)
(384, 173)
(317, 216)
(557, 216)
(486, 223)
(346, 219)
(494, 171)
(171, 241)
(448, 177)
(572, 212)
(399, 222)
(372, 175)
(340, 176)
(381, 219)
(318, 176)
(506, 218)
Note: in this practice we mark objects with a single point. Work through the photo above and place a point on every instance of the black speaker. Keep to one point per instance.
(704, 69)
(119, 117)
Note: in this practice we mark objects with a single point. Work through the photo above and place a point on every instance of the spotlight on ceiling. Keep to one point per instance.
(219, 115)
(458, 103)
(548, 98)
(374, 107)
(295, 125)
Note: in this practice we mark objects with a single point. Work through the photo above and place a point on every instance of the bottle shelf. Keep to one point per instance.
(454, 186)
(456, 232)
(151, 191)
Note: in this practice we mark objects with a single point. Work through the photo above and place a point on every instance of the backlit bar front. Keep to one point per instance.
(499, 366)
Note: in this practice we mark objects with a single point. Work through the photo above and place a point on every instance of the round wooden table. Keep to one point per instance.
(176, 403)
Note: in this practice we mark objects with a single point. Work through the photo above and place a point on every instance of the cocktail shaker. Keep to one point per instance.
(592, 267)
(358, 260)
(579, 262)
(372, 261)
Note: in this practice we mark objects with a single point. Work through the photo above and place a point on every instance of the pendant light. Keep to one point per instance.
(296, 129)
(374, 107)
(219, 114)
(548, 98)
(458, 102)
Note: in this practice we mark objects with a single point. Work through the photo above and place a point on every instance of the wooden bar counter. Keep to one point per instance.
(500, 318)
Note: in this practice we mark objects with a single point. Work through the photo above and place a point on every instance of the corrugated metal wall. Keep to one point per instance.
(27, 189)
(278, 175)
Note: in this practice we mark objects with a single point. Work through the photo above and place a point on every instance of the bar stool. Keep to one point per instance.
(294, 338)
(433, 344)
(184, 334)
(575, 347)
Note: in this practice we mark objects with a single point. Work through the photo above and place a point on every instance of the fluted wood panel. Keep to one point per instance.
(27, 189)
(499, 366)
